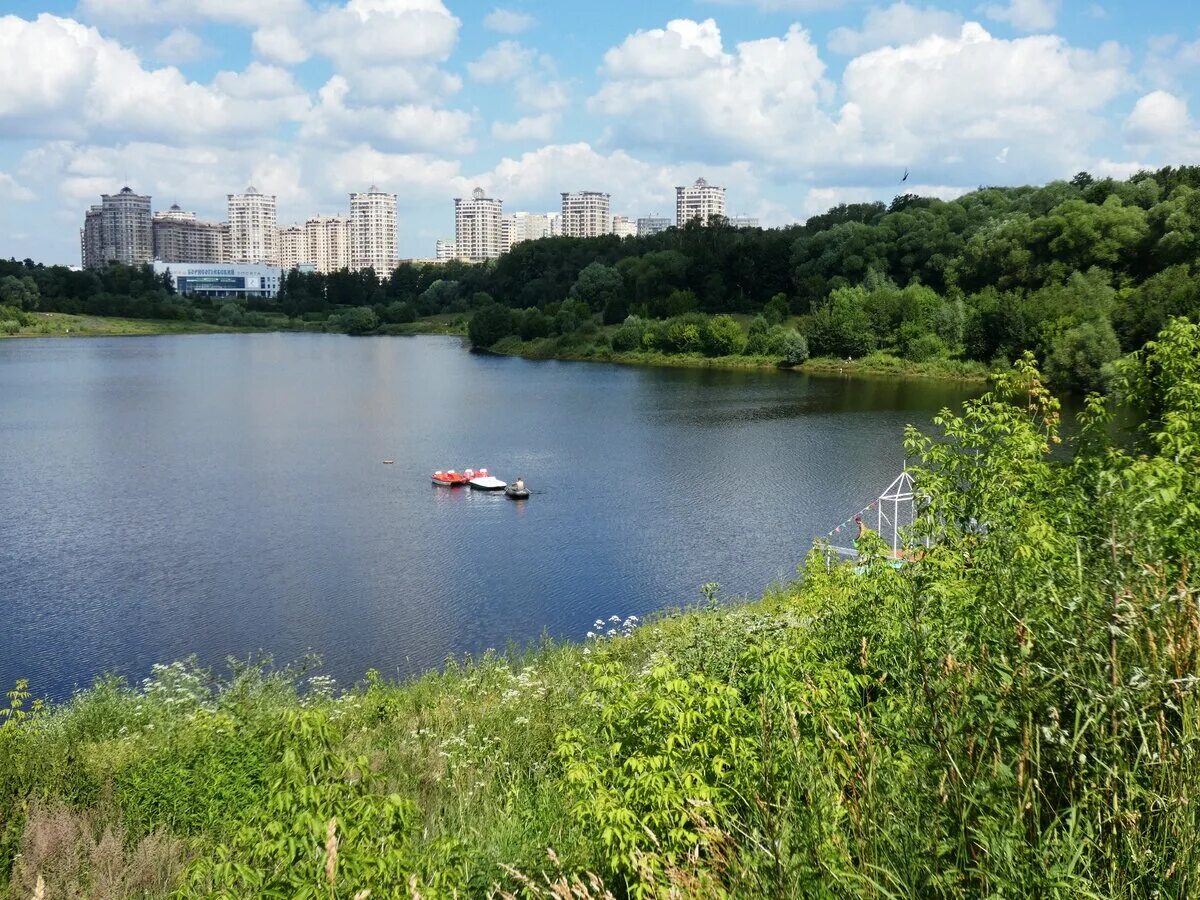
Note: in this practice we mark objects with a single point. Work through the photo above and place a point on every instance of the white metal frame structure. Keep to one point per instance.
(900, 495)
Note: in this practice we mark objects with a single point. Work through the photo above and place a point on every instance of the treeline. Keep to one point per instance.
(136, 292)
(1076, 271)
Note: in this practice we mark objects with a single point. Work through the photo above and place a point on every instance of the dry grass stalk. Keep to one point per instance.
(331, 851)
(66, 853)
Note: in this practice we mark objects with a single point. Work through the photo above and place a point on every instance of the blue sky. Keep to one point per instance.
(794, 105)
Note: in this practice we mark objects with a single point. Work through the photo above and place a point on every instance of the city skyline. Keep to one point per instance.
(124, 227)
(793, 105)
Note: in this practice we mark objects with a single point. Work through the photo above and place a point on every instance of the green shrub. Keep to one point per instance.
(722, 336)
(793, 347)
(489, 324)
(629, 335)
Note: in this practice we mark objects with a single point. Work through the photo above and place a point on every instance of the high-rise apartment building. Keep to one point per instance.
(179, 237)
(90, 240)
(652, 224)
(527, 226)
(444, 251)
(293, 248)
(623, 226)
(585, 214)
(699, 200)
(329, 241)
(744, 221)
(118, 230)
(253, 230)
(478, 227)
(373, 231)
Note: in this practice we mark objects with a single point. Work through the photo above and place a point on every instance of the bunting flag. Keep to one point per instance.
(838, 530)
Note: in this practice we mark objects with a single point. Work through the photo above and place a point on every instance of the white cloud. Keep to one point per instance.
(684, 47)
(504, 61)
(281, 44)
(535, 179)
(387, 50)
(61, 79)
(262, 82)
(149, 12)
(899, 23)
(378, 32)
(528, 128)
(678, 90)
(11, 189)
(1170, 63)
(181, 46)
(960, 98)
(198, 176)
(1157, 116)
(1026, 15)
(406, 127)
(531, 74)
(787, 5)
(507, 21)
(949, 104)
(819, 200)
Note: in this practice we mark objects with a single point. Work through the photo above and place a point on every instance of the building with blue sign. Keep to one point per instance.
(225, 280)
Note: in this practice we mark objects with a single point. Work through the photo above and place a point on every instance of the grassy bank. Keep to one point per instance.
(64, 325)
(556, 348)
(878, 364)
(1011, 713)
(448, 323)
(887, 364)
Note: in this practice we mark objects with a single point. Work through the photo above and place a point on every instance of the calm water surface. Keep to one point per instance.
(224, 495)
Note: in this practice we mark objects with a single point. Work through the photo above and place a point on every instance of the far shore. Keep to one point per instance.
(876, 365)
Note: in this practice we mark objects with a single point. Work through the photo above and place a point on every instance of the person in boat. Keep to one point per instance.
(862, 528)
(519, 485)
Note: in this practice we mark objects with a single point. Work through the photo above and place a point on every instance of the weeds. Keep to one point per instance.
(1011, 713)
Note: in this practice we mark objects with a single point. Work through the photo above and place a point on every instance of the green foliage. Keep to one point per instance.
(231, 314)
(399, 313)
(794, 348)
(629, 336)
(1081, 356)
(722, 336)
(489, 325)
(841, 327)
(1009, 709)
(357, 320)
(21, 293)
(777, 309)
(598, 286)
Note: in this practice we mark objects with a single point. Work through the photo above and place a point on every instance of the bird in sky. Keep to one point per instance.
(905, 178)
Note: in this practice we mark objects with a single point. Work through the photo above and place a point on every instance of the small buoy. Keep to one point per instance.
(388, 462)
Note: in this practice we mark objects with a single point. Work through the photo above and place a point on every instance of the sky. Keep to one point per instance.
(792, 105)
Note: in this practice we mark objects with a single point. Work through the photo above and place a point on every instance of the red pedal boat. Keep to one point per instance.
(451, 479)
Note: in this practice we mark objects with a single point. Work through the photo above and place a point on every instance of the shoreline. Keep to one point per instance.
(875, 366)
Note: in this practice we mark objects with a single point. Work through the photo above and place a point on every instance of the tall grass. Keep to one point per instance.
(1011, 713)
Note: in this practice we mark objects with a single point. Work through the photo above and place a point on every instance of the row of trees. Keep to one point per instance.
(1077, 271)
(573, 324)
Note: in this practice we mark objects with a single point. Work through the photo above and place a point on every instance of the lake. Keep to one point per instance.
(224, 495)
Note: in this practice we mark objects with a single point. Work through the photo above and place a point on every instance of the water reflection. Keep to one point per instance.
(222, 494)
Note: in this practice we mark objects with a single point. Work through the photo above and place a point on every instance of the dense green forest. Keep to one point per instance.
(1012, 712)
(1077, 271)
